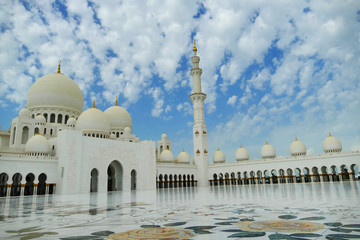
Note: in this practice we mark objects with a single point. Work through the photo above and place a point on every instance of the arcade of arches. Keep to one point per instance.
(176, 180)
(324, 174)
(32, 186)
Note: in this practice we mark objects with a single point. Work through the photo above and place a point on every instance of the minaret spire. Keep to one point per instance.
(195, 49)
(199, 129)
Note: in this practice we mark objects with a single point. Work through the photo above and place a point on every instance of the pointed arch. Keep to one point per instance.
(94, 180)
(115, 176)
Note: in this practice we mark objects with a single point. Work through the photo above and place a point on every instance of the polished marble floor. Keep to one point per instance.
(279, 211)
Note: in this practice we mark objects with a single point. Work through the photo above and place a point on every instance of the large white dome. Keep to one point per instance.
(268, 151)
(332, 144)
(37, 144)
(166, 156)
(219, 157)
(241, 154)
(297, 148)
(183, 157)
(119, 117)
(57, 91)
(93, 120)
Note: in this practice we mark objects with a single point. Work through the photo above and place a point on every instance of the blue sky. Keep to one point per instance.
(271, 70)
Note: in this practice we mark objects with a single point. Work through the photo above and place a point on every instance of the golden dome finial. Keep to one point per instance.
(195, 49)
(218, 149)
(240, 145)
(329, 134)
(295, 138)
(183, 150)
(116, 101)
(267, 142)
(93, 104)
(59, 67)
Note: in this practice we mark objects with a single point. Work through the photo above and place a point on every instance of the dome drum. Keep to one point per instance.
(241, 154)
(297, 148)
(166, 156)
(93, 123)
(219, 157)
(183, 157)
(332, 145)
(37, 144)
(268, 151)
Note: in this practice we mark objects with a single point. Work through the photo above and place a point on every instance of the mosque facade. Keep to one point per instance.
(55, 146)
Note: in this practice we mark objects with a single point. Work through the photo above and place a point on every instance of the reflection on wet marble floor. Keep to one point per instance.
(281, 211)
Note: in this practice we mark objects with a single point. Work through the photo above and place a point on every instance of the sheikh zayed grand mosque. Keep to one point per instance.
(53, 146)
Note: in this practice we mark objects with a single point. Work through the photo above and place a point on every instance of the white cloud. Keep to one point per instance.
(232, 100)
(185, 108)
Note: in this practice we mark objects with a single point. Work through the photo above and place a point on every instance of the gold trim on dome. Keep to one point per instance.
(58, 71)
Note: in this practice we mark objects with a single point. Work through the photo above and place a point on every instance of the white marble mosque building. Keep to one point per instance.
(55, 146)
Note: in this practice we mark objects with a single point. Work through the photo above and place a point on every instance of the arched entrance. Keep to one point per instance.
(133, 179)
(115, 174)
(41, 189)
(259, 177)
(325, 174)
(29, 185)
(290, 175)
(94, 180)
(16, 185)
(3, 184)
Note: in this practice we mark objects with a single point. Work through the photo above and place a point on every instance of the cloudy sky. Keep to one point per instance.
(272, 70)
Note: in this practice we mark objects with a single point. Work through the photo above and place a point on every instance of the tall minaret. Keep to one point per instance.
(199, 129)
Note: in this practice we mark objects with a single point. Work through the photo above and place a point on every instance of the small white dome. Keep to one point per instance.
(127, 131)
(268, 151)
(219, 157)
(166, 156)
(37, 144)
(40, 119)
(93, 120)
(164, 136)
(119, 118)
(241, 154)
(332, 144)
(183, 157)
(297, 148)
(112, 136)
(24, 112)
(71, 122)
